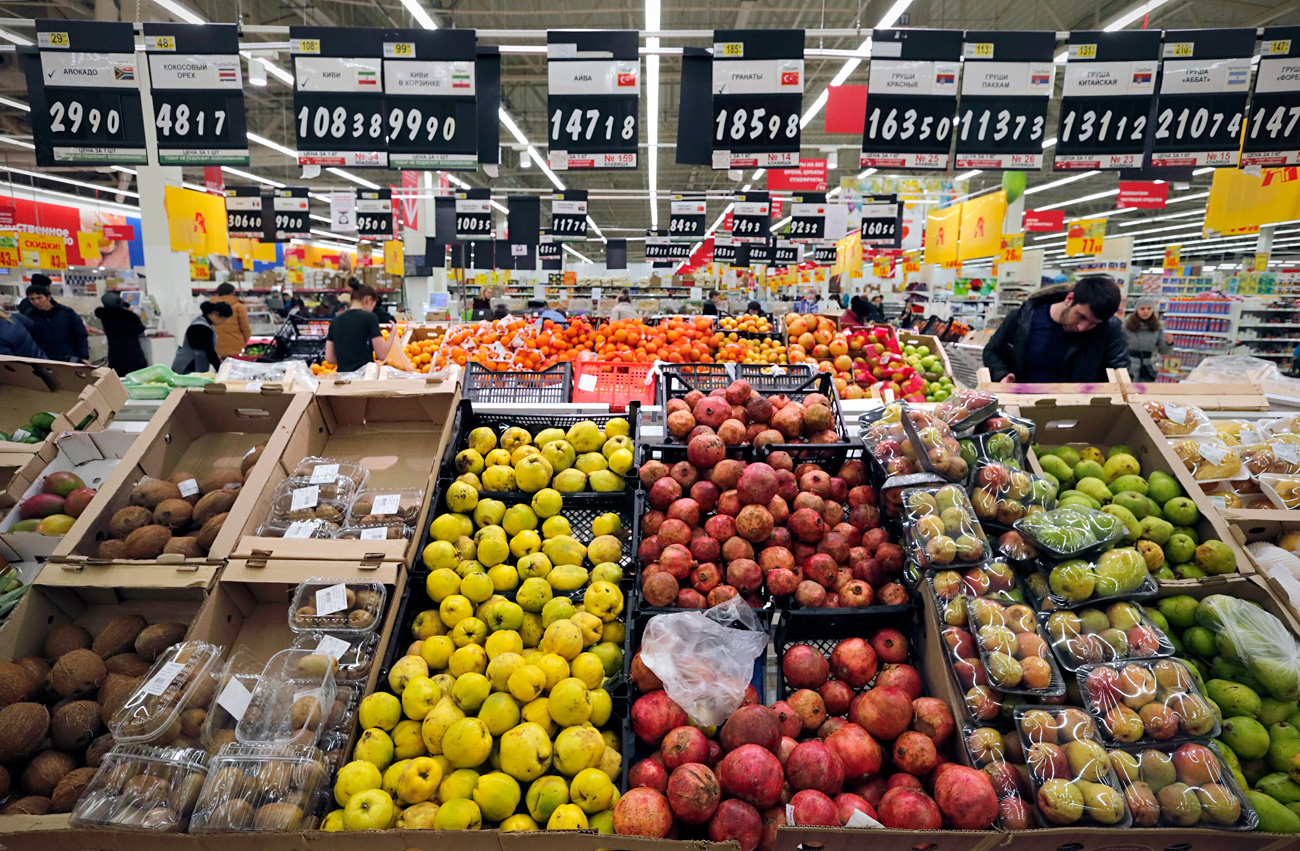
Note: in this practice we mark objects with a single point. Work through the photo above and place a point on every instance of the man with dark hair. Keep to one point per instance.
(56, 328)
(1065, 333)
(354, 337)
(713, 305)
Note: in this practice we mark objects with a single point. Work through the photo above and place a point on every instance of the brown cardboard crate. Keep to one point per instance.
(81, 396)
(194, 431)
(1251, 526)
(1105, 422)
(1245, 396)
(1055, 394)
(397, 429)
(927, 341)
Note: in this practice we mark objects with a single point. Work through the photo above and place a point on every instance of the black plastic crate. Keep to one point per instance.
(678, 379)
(793, 377)
(671, 453)
(548, 386)
(825, 628)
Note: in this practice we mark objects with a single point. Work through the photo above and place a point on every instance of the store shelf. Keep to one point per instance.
(1274, 326)
(1269, 340)
(1199, 333)
(1171, 315)
(1216, 351)
(1270, 310)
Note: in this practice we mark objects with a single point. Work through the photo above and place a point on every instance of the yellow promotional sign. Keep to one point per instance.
(848, 254)
(941, 228)
(1239, 202)
(395, 257)
(200, 268)
(952, 264)
(1172, 254)
(882, 266)
(88, 243)
(981, 226)
(39, 251)
(1013, 248)
(9, 257)
(1261, 261)
(1085, 236)
(912, 262)
(196, 221)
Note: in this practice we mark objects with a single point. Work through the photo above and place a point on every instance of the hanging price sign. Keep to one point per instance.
(686, 217)
(289, 217)
(569, 215)
(374, 212)
(198, 93)
(1005, 89)
(430, 98)
(882, 221)
(911, 99)
(474, 214)
(751, 219)
(1273, 129)
(338, 97)
(807, 217)
(593, 98)
(758, 78)
(244, 212)
(1202, 101)
(1110, 79)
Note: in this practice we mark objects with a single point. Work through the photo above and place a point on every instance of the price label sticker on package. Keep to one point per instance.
(334, 647)
(302, 529)
(379, 533)
(305, 498)
(323, 474)
(587, 382)
(234, 698)
(387, 503)
(158, 682)
(1288, 452)
(332, 599)
(189, 487)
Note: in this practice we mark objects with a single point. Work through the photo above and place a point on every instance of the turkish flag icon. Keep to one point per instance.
(627, 80)
(789, 78)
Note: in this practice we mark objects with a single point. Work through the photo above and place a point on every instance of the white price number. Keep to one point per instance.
(1002, 126)
(244, 221)
(570, 224)
(743, 125)
(473, 224)
(182, 122)
(412, 122)
(800, 227)
(326, 123)
(1091, 125)
(74, 113)
(288, 222)
(746, 226)
(1192, 125)
(892, 125)
(373, 224)
(879, 227)
(583, 124)
(683, 226)
(1281, 122)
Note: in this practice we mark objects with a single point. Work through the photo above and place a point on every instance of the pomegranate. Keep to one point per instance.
(859, 754)
(816, 481)
(685, 474)
(674, 531)
(705, 450)
(689, 598)
(642, 677)
(846, 803)
(663, 492)
(966, 798)
(726, 473)
(806, 525)
(648, 772)
(753, 774)
(682, 745)
(754, 523)
(643, 812)
(677, 560)
(915, 753)
(903, 677)
(909, 809)
(651, 522)
(729, 503)
(779, 510)
(773, 820)
(804, 667)
(873, 789)
(837, 695)
(811, 708)
(932, 718)
(659, 588)
(651, 472)
(890, 645)
(737, 548)
(902, 780)
(884, 712)
(705, 493)
(649, 550)
(693, 792)
(810, 595)
(786, 748)
(854, 661)
(720, 527)
(732, 432)
(813, 765)
(752, 725)
(812, 807)
(789, 720)
(737, 820)
(654, 714)
(705, 549)
(757, 484)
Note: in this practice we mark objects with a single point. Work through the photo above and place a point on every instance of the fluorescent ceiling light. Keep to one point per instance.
(360, 181)
(180, 11)
(569, 248)
(318, 218)
(866, 173)
(19, 143)
(816, 107)
(653, 21)
(1047, 143)
(1095, 196)
(596, 228)
(1062, 182)
(275, 146)
(895, 12)
(968, 175)
(112, 190)
(421, 16)
(80, 201)
(250, 176)
(16, 104)
(256, 73)
(1133, 14)
(1200, 171)
(758, 173)
(14, 38)
(778, 225)
(335, 235)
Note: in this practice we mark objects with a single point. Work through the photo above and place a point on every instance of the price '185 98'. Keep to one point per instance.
(742, 124)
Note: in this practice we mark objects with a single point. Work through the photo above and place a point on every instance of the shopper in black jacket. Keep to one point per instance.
(1066, 333)
(122, 330)
(57, 328)
(15, 337)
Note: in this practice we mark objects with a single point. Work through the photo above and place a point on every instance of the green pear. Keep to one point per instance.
(1120, 449)
(1155, 529)
(1137, 484)
(1179, 548)
(1163, 487)
(1283, 744)
(1215, 557)
(1234, 699)
(1131, 524)
(1280, 788)
(1273, 816)
(1278, 676)
(1247, 737)
(1272, 710)
(1095, 488)
(1089, 470)
(1135, 502)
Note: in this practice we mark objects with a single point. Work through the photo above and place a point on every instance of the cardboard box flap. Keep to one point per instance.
(853, 839)
(294, 571)
(184, 574)
(390, 387)
(540, 840)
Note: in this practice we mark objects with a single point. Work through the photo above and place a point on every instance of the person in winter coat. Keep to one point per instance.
(623, 308)
(1147, 340)
(122, 330)
(198, 349)
(232, 336)
(859, 313)
(1067, 333)
(15, 339)
(56, 328)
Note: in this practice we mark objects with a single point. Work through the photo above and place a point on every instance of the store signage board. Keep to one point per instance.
(1142, 194)
(430, 99)
(912, 99)
(1044, 221)
(244, 212)
(751, 219)
(659, 245)
(289, 219)
(548, 248)
(810, 176)
(787, 253)
(338, 97)
(686, 217)
(807, 217)
(1006, 86)
(569, 215)
(83, 85)
(750, 254)
(593, 96)
(1110, 81)
(1273, 127)
(882, 221)
(758, 79)
(374, 212)
(1204, 85)
(724, 250)
(196, 83)
(824, 254)
(1085, 237)
(474, 214)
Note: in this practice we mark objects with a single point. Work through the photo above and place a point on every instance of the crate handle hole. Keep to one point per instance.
(1062, 424)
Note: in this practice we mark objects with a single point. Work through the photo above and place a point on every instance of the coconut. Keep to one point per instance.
(16, 683)
(45, 771)
(78, 673)
(22, 728)
(75, 724)
(153, 640)
(118, 635)
(70, 788)
(64, 639)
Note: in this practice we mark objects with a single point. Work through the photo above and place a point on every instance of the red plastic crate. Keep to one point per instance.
(616, 382)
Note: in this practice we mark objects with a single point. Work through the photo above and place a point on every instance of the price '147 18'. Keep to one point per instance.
(583, 124)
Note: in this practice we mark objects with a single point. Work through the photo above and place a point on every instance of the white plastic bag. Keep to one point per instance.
(1259, 640)
(704, 662)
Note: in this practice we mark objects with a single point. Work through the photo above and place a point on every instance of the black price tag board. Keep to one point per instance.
(659, 245)
(786, 253)
(724, 250)
(374, 212)
(824, 255)
(569, 215)
(686, 217)
(244, 212)
(593, 98)
(807, 217)
(1273, 127)
(474, 214)
(289, 218)
(84, 88)
(1006, 86)
(1110, 80)
(1202, 102)
(750, 254)
(911, 99)
(758, 78)
(751, 217)
(549, 249)
(882, 221)
(430, 99)
(338, 96)
(197, 87)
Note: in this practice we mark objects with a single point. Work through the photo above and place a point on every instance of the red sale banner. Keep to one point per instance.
(1047, 221)
(810, 176)
(126, 232)
(1143, 194)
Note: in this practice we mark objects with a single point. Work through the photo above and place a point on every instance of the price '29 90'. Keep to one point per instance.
(74, 113)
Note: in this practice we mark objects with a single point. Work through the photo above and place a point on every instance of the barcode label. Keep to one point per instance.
(387, 503)
(331, 646)
(379, 533)
(158, 682)
(302, 528)
(332, 599)
(323, 474)
(305, 498)
(189, 487)
(234, 698)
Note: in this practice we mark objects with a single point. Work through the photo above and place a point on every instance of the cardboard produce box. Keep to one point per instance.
(395, 429)
(927, 341)
(197, 432)
(1244, 396)
(1018, 393)
(1247, 528)
(82, 398)
(92, 456)
(1105, 422)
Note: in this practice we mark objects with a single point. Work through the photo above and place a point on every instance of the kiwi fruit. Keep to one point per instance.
(78, 673)
(173, 513)
(232, 814)
(152, 493)
(192, 722)
(98, 749)
(111, 550)
(64, 639)
(16, 683)
(128, 519)
(75, 725)
(22, 728)
(279, 816)
(45, 771)
(118, 635)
